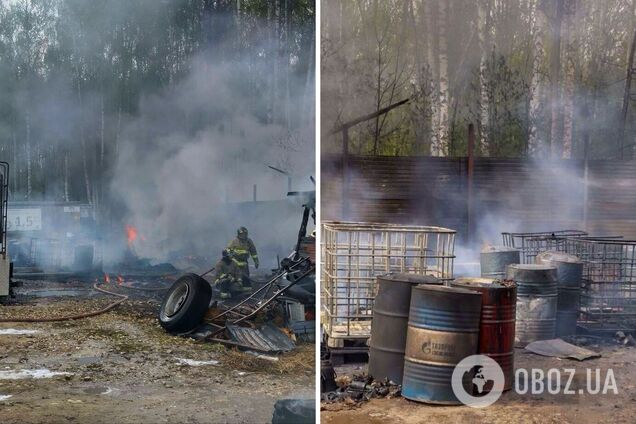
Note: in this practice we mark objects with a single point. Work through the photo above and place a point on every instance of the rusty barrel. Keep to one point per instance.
(390, 321)
(497, 321)
(443, 329)
(536, 302)
(569, 280)
(494, 260)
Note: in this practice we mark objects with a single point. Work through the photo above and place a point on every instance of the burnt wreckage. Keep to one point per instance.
(193, 307)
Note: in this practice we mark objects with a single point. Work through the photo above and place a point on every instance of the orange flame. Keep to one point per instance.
(131, 234)
(106, 278)
(120, 280)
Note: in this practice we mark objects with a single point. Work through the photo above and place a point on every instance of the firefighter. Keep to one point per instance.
(228, 276)
(242, 247)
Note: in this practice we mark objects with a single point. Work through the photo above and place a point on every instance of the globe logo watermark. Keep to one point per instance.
(477, 381)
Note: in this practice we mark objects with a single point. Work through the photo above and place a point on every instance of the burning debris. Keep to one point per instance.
(131, 235)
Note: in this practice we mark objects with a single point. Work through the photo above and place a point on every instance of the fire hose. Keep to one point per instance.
(111, 306)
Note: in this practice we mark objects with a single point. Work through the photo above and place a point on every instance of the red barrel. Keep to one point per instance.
(497, 321)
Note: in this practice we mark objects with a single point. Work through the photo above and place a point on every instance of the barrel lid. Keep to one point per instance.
(491, 283)
(497, 249)
(446, 289)
(554, 256)
(532, 267)
(405, 277)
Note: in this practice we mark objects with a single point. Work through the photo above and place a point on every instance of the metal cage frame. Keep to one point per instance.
(608, 297)
(531, 243)
(355, 253)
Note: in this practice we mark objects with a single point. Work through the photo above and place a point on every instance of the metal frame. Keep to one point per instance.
(530, 244)
(246, 309)
(355, 253)
(608, 298)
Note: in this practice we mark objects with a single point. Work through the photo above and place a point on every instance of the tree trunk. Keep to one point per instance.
(420, 114)
(101, 134)
(276, 59)
(66, 177)
(87, 181)
(308, 116)
(29, 166)
(556, 116)
(442, 148)
(538, 25)
(15, 161)
(568, 77)
(287, 70)
(430, 12)
(484, 46)
(626, 97)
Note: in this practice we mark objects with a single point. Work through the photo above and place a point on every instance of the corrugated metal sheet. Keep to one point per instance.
(398, 190)
(612, 198)
(531, 195)
(268, 338)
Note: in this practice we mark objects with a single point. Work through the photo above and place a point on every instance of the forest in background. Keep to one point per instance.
(539, 78)
(73, 74)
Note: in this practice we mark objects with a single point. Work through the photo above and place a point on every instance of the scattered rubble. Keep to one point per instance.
(361, 388)
(626, 340)
(126, 356)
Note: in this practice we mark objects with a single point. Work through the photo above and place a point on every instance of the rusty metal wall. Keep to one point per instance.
(536, 195)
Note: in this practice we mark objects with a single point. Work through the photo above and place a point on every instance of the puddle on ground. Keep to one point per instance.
(17, 332)
(87, 360)
(98, 391)
(22, 374)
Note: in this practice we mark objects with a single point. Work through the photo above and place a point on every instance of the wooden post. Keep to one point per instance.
(254, 194)
(469, 195)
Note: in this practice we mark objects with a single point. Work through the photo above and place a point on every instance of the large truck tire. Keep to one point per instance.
(185, 304)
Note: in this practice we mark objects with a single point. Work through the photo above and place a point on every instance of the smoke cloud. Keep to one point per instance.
(188, 190)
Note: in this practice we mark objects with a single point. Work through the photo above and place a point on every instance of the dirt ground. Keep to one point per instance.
(123, 368)
(512, 407)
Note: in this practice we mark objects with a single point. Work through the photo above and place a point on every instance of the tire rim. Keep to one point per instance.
(177, 300)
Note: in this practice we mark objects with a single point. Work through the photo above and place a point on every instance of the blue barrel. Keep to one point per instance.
(443, 329)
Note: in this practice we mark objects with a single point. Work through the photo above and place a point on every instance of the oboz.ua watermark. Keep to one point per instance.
(478, 381)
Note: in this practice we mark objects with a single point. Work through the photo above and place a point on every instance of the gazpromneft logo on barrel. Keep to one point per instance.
(478, 381)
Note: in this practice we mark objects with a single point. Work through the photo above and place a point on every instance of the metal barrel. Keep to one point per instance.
(568, 305)
(390, 321)
(494, 260)
(569, 280)
(443, 329)
(536, 302)
(497, 321)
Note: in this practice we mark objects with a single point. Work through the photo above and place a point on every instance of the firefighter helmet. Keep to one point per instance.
(242, 231)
